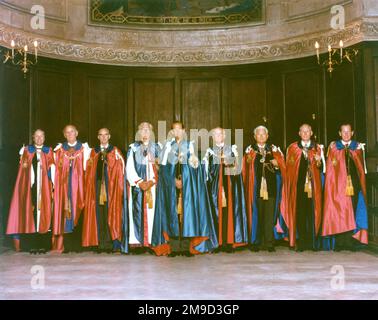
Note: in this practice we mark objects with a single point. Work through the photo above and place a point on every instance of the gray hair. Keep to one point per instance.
(260, 127)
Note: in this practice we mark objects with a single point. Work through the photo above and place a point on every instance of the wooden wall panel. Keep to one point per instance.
(154, 100)
(201, 103)
(107, 108)
(340, 100)
(301, 102)
(247, 105)
(52, 108)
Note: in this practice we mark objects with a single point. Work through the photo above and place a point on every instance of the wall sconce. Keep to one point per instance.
(336, 56)
(19, 56)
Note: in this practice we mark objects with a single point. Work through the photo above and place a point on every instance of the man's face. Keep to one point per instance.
(39, 138)
(178, 131)
(305, 133)
(70, 134)
(145, 133)
(261, 136)
(346, 133)
(104, 137)
(219, 136)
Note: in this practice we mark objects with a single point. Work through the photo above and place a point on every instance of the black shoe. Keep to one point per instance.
(33, 251)
(229, 250)
(173, 254)
(271, 249)
(188, 254)
(42, 251)
(254, 249)
(299, 250)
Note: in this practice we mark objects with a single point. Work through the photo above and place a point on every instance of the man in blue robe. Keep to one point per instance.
(183, 224)
(226, 190)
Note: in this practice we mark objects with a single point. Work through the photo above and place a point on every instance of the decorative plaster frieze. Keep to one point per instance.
(219, 54)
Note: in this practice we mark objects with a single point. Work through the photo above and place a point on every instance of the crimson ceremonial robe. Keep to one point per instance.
(249, 180)
(21, 219)
(115, 176)
(289, 194)
(339, 214)
(69, 190)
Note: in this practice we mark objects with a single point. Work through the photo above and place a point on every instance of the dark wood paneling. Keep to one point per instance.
(52, 108)
(201, 103)
(247, 105)
(301, 102)
(340, 100)
(154, 100)
(107, 108)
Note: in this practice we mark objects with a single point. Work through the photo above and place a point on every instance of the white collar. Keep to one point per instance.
(38, 147)
(261, 146)
(72, 144)
(104, 147)
(220, 145)
(346, 142)
(305, 144)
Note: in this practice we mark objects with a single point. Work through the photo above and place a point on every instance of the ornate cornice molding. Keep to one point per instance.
(219, 54)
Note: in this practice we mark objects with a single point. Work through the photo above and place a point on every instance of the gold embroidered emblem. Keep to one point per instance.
(60, 164)
(334, 162)
(249, 159)
(25, 164)
(291, 160)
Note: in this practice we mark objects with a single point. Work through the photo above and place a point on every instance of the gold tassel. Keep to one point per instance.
(179, 205)
(149, 199)
(264, 189)
(224, 200)
(103, 197)
(67, 209)
(308, 187)
(349, 187)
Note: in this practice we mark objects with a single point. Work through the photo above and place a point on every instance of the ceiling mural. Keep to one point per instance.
(176, 12)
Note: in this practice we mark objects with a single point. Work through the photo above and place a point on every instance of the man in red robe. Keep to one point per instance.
(301, 205)
(102, 222)
(345, 210)
(263, 170)
(70, 160)
(30, 209)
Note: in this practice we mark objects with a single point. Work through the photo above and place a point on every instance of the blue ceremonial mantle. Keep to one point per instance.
(238, 198)
(137, 194)
(197, 220)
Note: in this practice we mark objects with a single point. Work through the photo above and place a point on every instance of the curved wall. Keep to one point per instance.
(289, 30)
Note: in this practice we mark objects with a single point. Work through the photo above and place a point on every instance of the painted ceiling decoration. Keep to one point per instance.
(176, 12)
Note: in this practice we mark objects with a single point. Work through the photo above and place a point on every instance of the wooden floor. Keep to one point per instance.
(243, 275)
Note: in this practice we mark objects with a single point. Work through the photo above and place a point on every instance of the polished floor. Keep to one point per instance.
(243, 275)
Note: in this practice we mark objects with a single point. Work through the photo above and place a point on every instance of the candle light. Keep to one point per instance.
(341, 50)
(13, 45)
(317, 50)
(26, 48)
(329, 48)
(35, 49)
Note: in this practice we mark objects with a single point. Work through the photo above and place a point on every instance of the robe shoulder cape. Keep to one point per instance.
(21, 219)
(289, 192)
(250, 186)
(115, 172)
(198, 224)
(339, 216)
